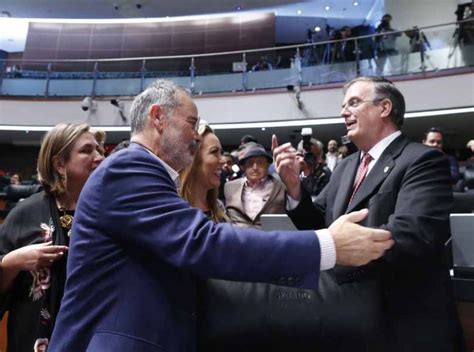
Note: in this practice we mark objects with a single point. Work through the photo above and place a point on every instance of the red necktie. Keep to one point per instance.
(361, 173)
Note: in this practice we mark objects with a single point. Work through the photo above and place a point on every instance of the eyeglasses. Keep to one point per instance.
(355, 103)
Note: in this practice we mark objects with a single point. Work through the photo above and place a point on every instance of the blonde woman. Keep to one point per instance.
(35, 236)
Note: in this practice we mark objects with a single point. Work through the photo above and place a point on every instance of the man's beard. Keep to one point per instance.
(175, 152)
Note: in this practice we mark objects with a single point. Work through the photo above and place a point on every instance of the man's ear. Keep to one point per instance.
(156, 117)
(387, 107)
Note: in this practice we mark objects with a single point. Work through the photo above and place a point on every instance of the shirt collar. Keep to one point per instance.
(172, 172)
(380, 147)
(259, 184)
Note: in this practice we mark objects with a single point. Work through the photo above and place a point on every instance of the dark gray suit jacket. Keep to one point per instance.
(408, 192)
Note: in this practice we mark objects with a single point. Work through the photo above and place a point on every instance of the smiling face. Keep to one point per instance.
(362, 114)
(332, 146)
(256, 168)
(83, 158)
(211, 162)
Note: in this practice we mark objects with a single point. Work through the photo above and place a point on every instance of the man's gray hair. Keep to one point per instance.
(161, 92)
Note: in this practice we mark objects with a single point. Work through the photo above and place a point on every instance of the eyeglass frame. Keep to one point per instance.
(349, 106)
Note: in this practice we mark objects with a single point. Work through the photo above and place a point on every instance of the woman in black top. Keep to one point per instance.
(35, 236)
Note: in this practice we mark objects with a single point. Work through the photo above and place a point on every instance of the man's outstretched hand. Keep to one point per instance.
(355, 244)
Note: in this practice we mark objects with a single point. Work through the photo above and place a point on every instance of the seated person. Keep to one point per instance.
(255, 194)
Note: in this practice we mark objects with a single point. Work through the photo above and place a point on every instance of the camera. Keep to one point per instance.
(307, 134)
(88, 104)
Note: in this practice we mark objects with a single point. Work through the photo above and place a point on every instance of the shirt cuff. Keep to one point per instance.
(328, 249)
(291, 203)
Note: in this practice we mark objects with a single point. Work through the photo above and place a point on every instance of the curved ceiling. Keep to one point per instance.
(88, 9)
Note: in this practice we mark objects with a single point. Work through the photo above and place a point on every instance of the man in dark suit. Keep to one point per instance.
(137, 248)
(406, 187)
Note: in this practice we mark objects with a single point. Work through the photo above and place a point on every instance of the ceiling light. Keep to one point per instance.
(238, 7)
(327, 7)
(317, 29)
(299, 12)
(355, 3)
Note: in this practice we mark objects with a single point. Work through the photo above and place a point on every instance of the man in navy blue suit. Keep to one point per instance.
(137, 247)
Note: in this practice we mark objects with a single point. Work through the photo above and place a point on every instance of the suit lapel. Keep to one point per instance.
(236, 200)
(345, 187)
(376, 176)
(276, 187)
(379, 172)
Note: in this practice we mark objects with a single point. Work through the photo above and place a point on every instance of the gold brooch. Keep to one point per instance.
(66, 221)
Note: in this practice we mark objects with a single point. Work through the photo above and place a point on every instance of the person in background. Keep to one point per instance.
(16, 179)
(470, 145)
(35, 235)
(332, 158)
(314, 175)
(230, 171)
(433, 137)
(255, 194)
(386, 43)
(342, 152)
(100, 136)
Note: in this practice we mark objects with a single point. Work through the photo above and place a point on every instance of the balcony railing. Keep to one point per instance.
(419, 50)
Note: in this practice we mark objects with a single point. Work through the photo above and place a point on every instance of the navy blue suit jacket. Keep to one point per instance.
(137, 249)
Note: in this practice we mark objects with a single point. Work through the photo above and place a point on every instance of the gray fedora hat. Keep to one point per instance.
(255, 149)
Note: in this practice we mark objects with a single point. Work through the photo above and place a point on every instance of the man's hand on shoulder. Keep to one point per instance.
(355, 244)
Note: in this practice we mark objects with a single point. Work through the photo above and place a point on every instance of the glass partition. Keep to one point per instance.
(352, 53)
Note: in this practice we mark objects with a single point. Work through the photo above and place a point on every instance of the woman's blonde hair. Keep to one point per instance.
(189, 178)
(57, 144)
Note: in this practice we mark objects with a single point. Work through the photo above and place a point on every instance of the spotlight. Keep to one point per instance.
(88, 104)
(299, 12)
(238, 8)
(355, 3)
(317, 29)
(327, 8)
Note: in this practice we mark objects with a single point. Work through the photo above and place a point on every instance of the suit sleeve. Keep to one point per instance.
(144, 213)
(420, 221)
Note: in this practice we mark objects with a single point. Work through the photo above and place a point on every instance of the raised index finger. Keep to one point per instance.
(274, 142)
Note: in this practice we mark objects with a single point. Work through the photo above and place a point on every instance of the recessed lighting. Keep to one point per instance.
(317, 29)
(355, 3)
(327, 8)
(299, 12)
(263, 128)
(238, 7)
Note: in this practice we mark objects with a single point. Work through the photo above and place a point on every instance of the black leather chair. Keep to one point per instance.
(14, 193)
(469, 179)
(463, 202)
